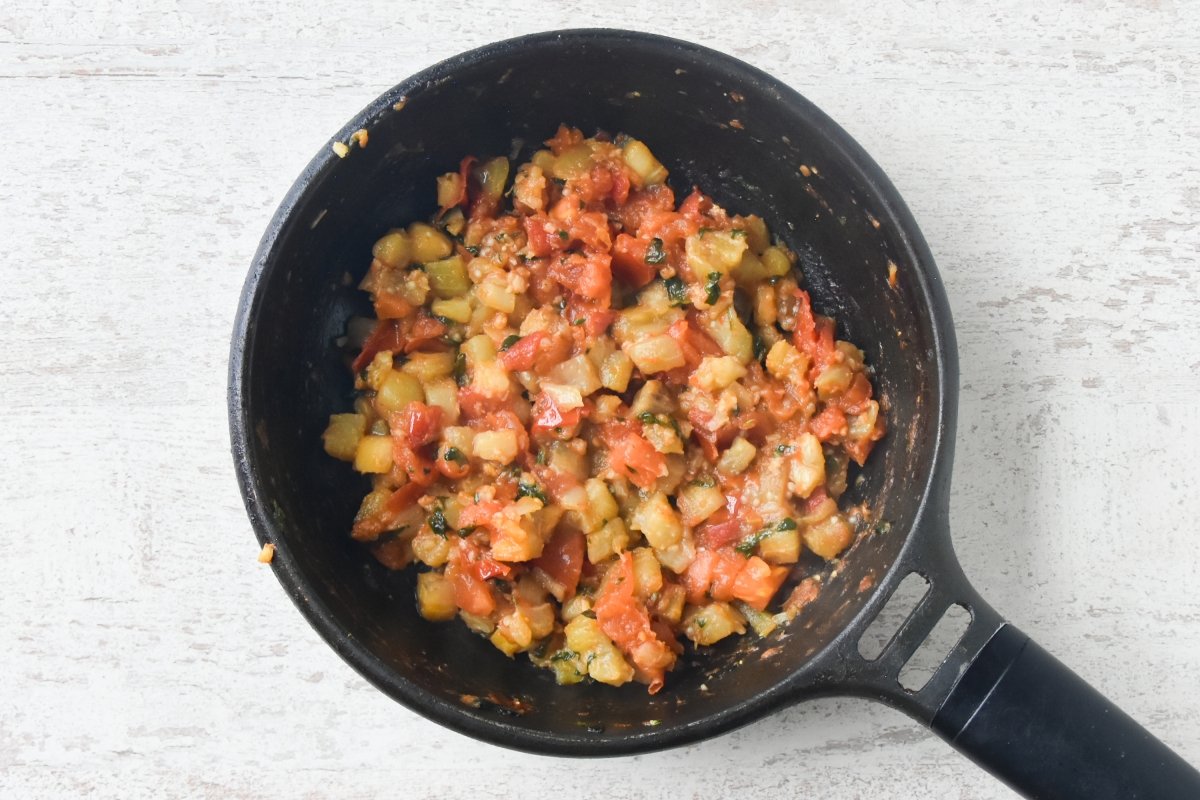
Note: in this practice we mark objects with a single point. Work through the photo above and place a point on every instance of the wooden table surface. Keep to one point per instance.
(1050, 151)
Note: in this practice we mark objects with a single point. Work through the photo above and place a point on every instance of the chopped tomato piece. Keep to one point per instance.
(391, 306)
(591, 230)
(629, 261)
(419, 424)
(758, 582)
(548, 418)
(541, 236)
(385, 336)
(524, 354)
(696, 205)
(625, 620)
(562, 562)
(399, 501)
(830, 423)
(424, 329)
(471, 592)
(727, 565)
(565, 137)
(589, 276)
(629, 454)
(698, 576)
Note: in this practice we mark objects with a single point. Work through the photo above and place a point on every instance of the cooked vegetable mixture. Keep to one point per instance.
(598, 422)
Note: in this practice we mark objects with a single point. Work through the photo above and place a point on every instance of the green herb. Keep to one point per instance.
(564, 655)
(747, 545)
(649, 418)
(444, 320)
(705, 230)
(590, 615)
(737, 233)
(883, 527)
(473, 250)
(579, 321)
(541, 456)
(701, 622)
(760, 347)
(563, 235)
(454, 454)
(509, 341)
(705, 482)
(460, 368)
(677, 291)
(783, 449)
(437, 522)
(527, 489)
(465, 532)
(654, 252)
(712, 288)
(559, 181)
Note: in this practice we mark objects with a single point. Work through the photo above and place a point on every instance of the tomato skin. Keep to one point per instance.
(391, 306)
(401, 500)
(727, 565)
(385, 336)
(631, 455)
(423, 330)
(643, 202)
(419, 424)
(452, 469)
(696, 205)
(562, 561)
(540, 242)
(524, 354)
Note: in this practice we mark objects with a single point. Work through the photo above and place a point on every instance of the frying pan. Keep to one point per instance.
(756, 146)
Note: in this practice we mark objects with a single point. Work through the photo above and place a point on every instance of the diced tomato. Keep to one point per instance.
(629, 261)
(814, 335)
(524, 354)
(757, 582)
(565, 137)
(541, 236)
(477, 515)
(548, 418)
(696, 205)
(591, 230)
(424, 329)
(562, 561)
(640, 203)
(595, 185)
(385, 336)
(698, 576)
(589, 276)
(620, 184)
(418, 423)
(831, 422)
(596, 320)
(417, 468)
(475, 405)
(394, 553)
(727, 565)
(721, 529)
(453, 469)
(625, 620)
(471, 592)
(391, 306)
(854, 401)
(629, 454)
(694, 343)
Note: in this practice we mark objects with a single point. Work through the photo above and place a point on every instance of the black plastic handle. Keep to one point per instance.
(1029, 720)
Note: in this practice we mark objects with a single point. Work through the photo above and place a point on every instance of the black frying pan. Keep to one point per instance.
(742, 136)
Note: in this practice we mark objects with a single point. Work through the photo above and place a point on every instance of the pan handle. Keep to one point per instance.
(1029, 720)
(1014, 709)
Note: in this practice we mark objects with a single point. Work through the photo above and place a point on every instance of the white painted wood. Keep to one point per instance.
(1049, 150)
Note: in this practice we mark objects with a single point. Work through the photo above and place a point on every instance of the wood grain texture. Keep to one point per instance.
(1051, 153)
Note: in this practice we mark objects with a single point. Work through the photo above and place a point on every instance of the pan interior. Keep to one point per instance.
(715, 124)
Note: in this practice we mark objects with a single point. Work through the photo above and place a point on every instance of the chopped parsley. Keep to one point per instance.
(465, 532)
(564, 655)
(455, 455)
(654, 252)
(705, 482)
(509, 341)
(783, 449)
(677, 291)
(747, 545)
(437, 522)
(712, 289)
(541, 456)
(460, 368)
(473, 249)
(563, 235)
(737, 233)
(760, 348)
(579, 321)
(706, 230)
(529, 489)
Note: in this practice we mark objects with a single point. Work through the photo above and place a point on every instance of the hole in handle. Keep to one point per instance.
(898, 608)
(932, 653)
